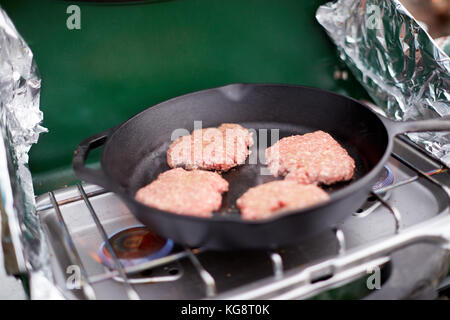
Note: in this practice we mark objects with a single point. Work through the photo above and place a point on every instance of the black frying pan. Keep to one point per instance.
(134, 153)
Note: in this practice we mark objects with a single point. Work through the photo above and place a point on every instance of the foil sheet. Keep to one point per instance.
(20, 117)
(398, 63)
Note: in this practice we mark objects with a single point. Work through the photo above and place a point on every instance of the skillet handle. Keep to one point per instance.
(97, 177)
(399, 127)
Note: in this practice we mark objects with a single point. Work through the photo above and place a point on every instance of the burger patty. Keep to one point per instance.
(275, 197)
(219, 148)
(310, 158)
(196, 193)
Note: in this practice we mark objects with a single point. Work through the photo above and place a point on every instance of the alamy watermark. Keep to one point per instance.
(73, 281)
(223, 146)
(374, 280)
(73, 21)
(373, 17)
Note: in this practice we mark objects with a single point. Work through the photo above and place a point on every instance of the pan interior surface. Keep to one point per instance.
(243, 177)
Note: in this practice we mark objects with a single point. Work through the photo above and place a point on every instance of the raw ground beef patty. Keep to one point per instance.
(219, 148)
(197, 193)
(274, 197)
(310, 158)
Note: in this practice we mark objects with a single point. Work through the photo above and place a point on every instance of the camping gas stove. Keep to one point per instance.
(394, 246)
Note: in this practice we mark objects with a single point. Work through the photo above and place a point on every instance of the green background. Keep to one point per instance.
(129, 57)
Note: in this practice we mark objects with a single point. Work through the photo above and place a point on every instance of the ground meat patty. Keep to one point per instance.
(197, 193)
(219, 148)
(310, 158)
(274, 197)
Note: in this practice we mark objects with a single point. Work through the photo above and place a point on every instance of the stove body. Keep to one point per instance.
(387, 238)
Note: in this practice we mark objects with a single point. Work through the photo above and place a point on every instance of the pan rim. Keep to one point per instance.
(234, 219)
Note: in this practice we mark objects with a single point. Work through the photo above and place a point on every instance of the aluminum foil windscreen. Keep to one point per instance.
(396, 61)
(19, 123)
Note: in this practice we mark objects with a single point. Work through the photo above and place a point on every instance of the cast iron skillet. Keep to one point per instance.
(134, 153)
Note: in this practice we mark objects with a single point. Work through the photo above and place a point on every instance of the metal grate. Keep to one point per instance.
(345, 266)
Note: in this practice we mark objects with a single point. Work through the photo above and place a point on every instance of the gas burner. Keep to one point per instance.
(386, 178)
(135, 245)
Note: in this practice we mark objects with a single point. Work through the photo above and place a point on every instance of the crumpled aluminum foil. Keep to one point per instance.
(396, 61)
(20, 117)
